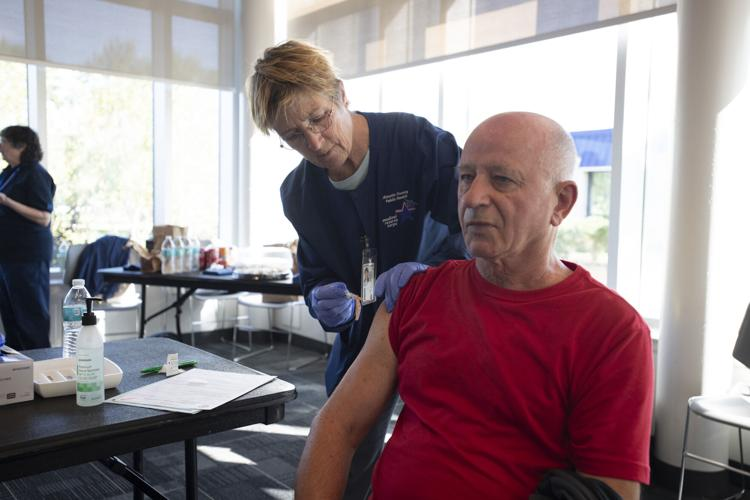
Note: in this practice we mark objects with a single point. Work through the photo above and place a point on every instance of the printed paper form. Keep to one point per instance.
(192, 391)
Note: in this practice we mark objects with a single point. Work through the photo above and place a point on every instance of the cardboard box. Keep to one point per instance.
(16, 377)
(160, 232)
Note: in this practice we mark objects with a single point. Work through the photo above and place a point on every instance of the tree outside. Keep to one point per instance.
(100, 154)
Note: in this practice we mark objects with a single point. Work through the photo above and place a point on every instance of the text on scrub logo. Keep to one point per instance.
(403, 208)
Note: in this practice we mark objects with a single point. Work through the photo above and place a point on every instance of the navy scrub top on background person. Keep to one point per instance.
(25, 256)
(410, 186)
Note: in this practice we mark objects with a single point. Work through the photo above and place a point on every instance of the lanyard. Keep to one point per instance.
(10, 178)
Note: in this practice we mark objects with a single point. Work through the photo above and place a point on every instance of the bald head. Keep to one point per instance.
(539, 139)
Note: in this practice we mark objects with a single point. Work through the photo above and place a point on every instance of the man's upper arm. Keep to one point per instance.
(369, 383)
(347, 416)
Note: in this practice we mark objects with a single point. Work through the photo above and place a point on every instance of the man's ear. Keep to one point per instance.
(567, 194)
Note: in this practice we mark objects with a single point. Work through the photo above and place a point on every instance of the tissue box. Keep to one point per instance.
(16, 377)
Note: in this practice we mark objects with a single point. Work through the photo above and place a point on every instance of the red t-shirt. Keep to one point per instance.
(501, 385)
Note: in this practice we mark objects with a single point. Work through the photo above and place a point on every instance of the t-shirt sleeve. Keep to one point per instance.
(612, 405)
(38, 190)
(402, 309)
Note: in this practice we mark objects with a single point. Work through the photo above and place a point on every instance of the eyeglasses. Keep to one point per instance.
(316, 125)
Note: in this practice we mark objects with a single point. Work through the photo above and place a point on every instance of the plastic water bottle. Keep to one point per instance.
(195, 259)
(187, 254)
(179, 254)
(74, 305)
(167, 255)
(187, 259)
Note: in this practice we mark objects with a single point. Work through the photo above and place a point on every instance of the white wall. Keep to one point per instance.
(118, 325)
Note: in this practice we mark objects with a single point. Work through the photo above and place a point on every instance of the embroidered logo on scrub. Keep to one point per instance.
(403, 208)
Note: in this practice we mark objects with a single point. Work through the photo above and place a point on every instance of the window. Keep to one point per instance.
(192, 195)
(100, 151)
(416, 90)
(99, 144)
(271, 164)
(12, 29)
(13, 94)
(99, 34)
(124, 149)
(195, 44)
(652, 70)
(573, 80)
(598, 193)
(552, 77)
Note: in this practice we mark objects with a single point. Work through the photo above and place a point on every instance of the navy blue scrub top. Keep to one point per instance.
(406, 206)
(22, 240)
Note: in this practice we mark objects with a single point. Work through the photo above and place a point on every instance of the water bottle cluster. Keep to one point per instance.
(180, 255)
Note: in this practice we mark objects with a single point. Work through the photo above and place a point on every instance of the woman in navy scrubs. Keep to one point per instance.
(374, 193)
(26, 192)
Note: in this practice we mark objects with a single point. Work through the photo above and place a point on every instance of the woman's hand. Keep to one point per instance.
(3, 198)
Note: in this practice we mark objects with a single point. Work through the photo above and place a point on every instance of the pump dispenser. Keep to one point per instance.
(90, 360)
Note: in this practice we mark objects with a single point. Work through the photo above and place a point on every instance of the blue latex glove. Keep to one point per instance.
(332, 304)
(390, 282)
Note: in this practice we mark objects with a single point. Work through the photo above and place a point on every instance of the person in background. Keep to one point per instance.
(373, 191)
(509, 365)
(26, 193)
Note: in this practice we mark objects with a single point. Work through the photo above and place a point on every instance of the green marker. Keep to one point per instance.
(182, 364)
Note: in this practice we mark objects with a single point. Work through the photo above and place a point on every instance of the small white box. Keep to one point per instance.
(16, 377)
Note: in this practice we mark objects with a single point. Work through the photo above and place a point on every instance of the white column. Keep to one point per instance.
(706, 289)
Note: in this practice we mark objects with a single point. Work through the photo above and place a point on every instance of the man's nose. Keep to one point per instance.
(477, 193)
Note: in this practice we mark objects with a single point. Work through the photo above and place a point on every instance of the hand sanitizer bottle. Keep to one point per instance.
(90, 360)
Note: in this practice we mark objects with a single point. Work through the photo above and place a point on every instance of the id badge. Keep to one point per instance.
(368, 275)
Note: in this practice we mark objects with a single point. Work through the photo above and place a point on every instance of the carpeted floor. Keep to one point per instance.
(255, 462)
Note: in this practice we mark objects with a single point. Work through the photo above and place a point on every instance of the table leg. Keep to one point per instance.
(178, 313)
(142, 331)
(140, 485)
(191, 469)
(138, 466)
(177, 304)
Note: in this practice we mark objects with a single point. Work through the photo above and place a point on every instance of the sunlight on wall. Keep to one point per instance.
(729, 274)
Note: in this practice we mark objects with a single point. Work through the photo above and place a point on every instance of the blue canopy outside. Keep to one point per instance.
(594, 147)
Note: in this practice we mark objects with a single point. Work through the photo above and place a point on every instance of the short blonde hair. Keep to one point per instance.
(284, 72)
